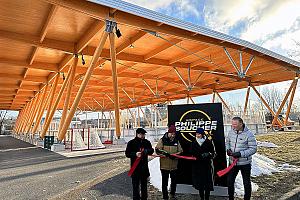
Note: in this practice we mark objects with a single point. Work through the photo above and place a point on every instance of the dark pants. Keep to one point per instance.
(137, 183)
(246, 174)
(207, 194)
(165, 179)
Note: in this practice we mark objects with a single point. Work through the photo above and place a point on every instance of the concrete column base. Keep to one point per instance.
(40, 143)
(119, 141)
(58, 147)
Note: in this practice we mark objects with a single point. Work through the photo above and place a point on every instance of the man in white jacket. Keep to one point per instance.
(240, 144)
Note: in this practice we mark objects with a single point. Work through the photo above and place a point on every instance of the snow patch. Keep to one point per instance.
(289, 167)
(262, 165)
(266, 144)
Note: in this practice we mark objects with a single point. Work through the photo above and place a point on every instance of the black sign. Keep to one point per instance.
(187, 118)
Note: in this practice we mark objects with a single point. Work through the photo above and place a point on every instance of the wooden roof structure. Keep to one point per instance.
(158, 58)
(64, 55)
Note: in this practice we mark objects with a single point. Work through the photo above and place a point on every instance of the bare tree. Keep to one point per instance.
(2, 117)
(273, 97)
(295, 53)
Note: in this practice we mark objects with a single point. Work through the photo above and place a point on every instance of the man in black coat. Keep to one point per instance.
(139, 147)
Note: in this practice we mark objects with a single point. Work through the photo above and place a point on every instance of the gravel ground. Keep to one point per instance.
(274, 186)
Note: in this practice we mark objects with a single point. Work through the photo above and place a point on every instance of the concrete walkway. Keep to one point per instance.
(31, 173)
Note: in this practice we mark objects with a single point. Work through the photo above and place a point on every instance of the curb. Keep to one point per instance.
(292, 195)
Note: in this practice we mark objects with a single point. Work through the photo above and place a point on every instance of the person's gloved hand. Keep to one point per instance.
(138, 154)
(166, 154)
(158, 151)
(229, 152)
(162, 152)
(236, 154)
(206, 155)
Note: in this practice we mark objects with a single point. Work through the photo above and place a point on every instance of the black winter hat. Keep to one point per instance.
(141, 131)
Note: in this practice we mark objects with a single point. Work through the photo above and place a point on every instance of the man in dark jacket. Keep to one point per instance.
(139, 147)
(240, 144)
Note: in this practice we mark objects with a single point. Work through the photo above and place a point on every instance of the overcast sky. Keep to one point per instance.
(273, 24)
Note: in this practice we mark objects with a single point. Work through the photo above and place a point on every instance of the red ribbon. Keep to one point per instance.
(226, 170)
(138, 159)
(135, 164)
(219, 173)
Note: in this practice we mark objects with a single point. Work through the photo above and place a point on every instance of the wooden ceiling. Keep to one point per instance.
(38, 40)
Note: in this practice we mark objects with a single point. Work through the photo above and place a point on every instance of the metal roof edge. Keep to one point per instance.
(159, 17)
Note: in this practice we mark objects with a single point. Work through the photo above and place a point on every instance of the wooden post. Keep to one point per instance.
(68, 95)
(192, 100)
(115, 83)
(291, 102)
(37, 109)
(55, 105)
(265, 103)
(33, 112)
(246, 101)
(26, 116)
(42, 103)
(20, 117)
(283, 102)
(47, 102)
(226, 106)
(52, 97)
(83, 86)
(23, 112)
